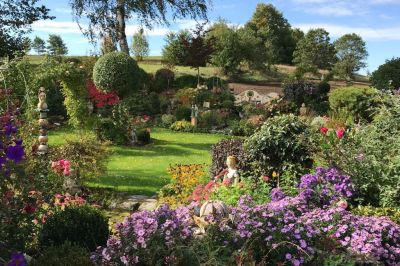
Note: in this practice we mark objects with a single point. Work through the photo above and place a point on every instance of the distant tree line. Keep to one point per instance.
(55, 45)
(265, 40)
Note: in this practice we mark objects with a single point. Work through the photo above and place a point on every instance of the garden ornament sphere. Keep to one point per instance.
(216, 208)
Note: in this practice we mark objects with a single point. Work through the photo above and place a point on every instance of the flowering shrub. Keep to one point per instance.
(61, 167)
(325, 187)
(144, 234)
(184, 180)
(203, 191)
(296, 230)
(182, 125)
(100, 98)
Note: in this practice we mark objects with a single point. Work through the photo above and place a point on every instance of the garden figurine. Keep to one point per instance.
(230, 175)
(303, 110)
(194, 115)
(42, 105)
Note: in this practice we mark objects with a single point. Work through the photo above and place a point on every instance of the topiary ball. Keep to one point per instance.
(82, 226)
(117, 72)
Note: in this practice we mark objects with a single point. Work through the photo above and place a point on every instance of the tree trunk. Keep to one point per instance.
(123, 43)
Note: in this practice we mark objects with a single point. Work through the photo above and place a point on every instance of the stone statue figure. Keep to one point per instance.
(303, 110)
(195, 111)
(134, 139)
(230, 175)
(42, 105)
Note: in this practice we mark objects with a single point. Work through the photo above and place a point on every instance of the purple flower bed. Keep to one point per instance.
(294, 230)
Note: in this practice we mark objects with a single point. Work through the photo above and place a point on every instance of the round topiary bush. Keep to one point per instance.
(183, 113)
(83, 226)
(163, 79)
(117, 72)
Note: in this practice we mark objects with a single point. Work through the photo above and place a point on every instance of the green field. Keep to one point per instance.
(143, 170)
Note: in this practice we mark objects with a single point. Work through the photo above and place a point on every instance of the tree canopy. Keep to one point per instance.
(110, 16)
(314, 52)
(140, 45)
(276, 43)
(387, 76)
(56, 45)
(351, 53)
(39, 45)
(16, 18)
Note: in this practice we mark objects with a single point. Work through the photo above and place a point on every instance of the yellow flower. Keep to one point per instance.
(274, 174)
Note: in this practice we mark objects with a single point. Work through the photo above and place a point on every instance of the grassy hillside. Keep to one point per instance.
(279, 72)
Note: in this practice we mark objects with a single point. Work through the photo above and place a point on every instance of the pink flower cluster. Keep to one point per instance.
(61, 167)
(339, 132)
(67, 200)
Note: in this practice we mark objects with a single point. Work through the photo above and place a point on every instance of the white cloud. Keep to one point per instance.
(56, 26)
(332, 10)
(377, 34)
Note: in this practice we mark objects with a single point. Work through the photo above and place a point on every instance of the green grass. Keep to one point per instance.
(143, 170)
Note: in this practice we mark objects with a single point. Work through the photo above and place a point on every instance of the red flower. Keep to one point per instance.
(340, 132)
(29, 208)
(265, 178)
(323, 130)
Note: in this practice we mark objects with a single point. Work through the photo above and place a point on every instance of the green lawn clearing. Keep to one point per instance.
(143, 170)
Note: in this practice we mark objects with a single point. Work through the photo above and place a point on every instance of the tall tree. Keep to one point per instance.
(16, 18)
(314, 52)
(56, 45)
(277, 44)
(111, 15)
(39, 45)
(140, 45)
(198, 49)
(387, 76)
(351, 53)
(228, 52)
(174, 52)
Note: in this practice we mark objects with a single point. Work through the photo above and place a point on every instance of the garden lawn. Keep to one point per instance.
(143, 170)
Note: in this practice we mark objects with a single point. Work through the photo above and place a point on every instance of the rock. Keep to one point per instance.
(136, 203)
(148, 205)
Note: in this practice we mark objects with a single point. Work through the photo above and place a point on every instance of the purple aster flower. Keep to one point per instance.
(17, 259)
(277, 194)
(15, 153)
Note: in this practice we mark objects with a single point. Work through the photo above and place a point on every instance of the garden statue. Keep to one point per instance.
(134, 139)
(43, 123)
(303, 110)
(194, 115)
(231, 174)
(42, 105)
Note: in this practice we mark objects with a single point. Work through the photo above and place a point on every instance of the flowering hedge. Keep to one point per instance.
(306, 228)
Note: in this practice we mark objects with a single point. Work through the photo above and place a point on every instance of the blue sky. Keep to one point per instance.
(377, 21)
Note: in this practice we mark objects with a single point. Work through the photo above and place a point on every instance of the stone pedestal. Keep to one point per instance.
(194, 121)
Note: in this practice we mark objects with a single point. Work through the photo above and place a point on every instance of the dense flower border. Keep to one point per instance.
(285, 230)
